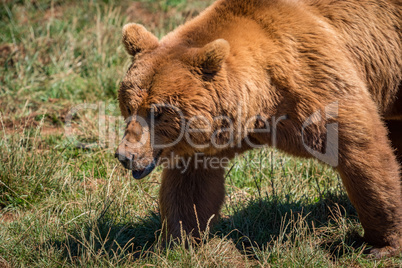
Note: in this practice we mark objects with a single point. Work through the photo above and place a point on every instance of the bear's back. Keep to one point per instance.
(368, 32)
(372, 32)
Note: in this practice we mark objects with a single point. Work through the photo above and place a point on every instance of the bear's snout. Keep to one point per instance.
(140, 163)
(127, 162)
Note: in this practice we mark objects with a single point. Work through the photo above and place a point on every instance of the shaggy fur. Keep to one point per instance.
(264, 59)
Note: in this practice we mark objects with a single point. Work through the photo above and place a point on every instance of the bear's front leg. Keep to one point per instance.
(191, 193)
(370, 173)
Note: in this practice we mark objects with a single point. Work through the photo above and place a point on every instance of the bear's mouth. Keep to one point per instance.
(141, 173)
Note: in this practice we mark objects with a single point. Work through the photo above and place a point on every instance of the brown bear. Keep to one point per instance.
(314, 78)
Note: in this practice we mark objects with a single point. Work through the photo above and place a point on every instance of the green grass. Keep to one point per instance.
(63, 205)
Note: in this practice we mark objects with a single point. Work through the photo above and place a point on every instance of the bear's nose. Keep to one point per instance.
(124, 160)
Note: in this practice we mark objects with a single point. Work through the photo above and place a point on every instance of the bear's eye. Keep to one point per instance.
(155, 114)
(158, 115)
(129, 111)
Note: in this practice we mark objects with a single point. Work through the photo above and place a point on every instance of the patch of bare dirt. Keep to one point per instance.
(138, 13)
(4, 263)
(155, 15)
(10, 53)
(54, 12)
(5, 49)
(44, 130)
(92, 185)
(8, 217)
(32, 121)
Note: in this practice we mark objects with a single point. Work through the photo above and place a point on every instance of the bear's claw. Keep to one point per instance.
(384, 252)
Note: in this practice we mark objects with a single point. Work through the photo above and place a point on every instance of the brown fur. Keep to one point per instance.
(273, 58)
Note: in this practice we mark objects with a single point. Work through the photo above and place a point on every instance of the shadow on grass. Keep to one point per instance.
(261, 221)
(107, 236)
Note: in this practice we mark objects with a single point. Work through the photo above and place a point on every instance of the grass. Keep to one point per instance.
(66, 205)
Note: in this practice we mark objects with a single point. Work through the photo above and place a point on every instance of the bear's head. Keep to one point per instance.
(168, 98)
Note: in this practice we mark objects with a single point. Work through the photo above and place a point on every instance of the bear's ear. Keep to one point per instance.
(136, 39)
(211, 57)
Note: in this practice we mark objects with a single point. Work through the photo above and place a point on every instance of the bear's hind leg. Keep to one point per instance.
(186, 191)
(370, 173)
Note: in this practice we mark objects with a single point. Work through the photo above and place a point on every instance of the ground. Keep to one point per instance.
(64, 202)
